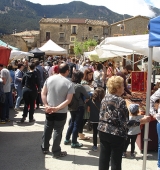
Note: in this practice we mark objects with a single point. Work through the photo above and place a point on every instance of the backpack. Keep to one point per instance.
(73, 105)
(45, 73)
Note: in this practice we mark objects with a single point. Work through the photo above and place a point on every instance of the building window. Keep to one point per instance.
(105, 31)
(71, 49)
(47, 36)
(74, 29)
(61, 35)
(60, 25)
(90, 29)
(72, 38)
(96, 37)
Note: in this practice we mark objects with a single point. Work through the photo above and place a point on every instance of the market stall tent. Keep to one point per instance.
(137, 43)
(14, 55)
(108, 51)
(37, 52)
(51, 48)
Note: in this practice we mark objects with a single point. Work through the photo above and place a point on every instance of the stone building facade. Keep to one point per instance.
(65, 31)
(15, 41)
(132, 26)
(31, 38)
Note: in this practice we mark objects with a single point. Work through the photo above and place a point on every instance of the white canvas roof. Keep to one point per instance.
(51, 48)
(19, 54)
(137, 43)
(110, 51)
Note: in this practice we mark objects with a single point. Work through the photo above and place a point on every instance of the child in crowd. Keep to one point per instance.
(94, 109)
(133, 131)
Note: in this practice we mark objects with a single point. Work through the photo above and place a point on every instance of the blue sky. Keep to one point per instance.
(131, 7)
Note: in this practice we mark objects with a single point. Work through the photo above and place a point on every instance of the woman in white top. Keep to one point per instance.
(98, 76)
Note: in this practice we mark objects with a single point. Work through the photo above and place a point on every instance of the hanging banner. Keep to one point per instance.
(4, 55)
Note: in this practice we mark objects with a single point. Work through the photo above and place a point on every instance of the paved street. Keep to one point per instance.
(20, 149)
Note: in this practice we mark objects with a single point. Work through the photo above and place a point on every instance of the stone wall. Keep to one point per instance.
(135, 26)
(14, 41)
(83, 33)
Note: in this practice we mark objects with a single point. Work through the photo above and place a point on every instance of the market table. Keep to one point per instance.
(153, 144)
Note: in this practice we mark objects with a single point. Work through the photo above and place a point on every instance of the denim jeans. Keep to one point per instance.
(158, 132)
(111, 147)
(19, 94)
(5, 108)
(76, 120)
(11, 96)
(57, 126)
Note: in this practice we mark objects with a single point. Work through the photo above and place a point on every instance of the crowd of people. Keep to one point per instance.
(93, 93)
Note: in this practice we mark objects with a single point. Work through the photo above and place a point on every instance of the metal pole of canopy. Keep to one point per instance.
(147, 106)
(133, 61)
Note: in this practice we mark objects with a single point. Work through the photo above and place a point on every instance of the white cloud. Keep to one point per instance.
(155, 3)
(131, 7)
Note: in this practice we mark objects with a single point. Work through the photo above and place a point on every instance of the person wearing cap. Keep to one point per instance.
(134, 130)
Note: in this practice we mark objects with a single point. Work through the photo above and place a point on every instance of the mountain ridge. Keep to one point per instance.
(21, 15)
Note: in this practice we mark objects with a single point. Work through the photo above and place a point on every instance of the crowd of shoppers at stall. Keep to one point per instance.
(99, 90)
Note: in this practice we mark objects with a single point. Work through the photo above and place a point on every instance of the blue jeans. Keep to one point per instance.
(158, 132)
(19, 98)
(76, 120)
(10, 96)
(5, 108)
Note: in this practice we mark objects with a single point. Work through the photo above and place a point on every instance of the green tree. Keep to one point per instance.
(81, 47)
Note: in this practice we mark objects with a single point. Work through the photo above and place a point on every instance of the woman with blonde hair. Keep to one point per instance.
(113, 124)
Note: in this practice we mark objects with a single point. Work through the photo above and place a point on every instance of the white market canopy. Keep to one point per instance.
(108, 51)
(19, 54)
(51, 48)
(136, 43)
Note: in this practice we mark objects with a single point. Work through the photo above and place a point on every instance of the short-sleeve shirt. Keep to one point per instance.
(135, 129)
(58, 87)
(6, 74)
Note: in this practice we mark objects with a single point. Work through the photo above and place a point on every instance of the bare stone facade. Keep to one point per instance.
(132, 26)
(15, 41)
